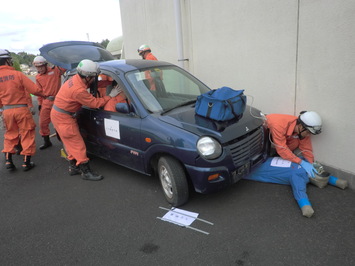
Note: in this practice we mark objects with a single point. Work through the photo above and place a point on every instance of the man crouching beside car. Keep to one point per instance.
(71, 97)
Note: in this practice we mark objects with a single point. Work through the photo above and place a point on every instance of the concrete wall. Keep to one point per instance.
(288, 55)
(326, 77)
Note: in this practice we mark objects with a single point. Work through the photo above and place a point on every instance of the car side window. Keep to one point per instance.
(103, 81)
(105, 85)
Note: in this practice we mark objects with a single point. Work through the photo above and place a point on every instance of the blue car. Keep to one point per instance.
(155, 129)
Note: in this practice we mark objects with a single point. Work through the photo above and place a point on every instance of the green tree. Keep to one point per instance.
(26, 58)
(21, 58)
(16, 65)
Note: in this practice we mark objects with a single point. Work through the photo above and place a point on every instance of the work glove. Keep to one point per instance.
(309, 168)
(32, 110)
(114, 92)
(39, 108)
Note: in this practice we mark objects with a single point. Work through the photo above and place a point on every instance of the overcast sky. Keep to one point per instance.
(27, 25)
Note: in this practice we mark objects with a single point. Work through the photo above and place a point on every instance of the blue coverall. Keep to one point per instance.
(293, 175)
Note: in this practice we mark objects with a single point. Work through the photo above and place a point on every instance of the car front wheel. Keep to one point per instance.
(173, 181)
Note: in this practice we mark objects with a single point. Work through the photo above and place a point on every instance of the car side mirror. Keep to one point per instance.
(122, 108)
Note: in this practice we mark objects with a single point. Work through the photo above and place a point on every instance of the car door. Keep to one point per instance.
(87, 129)
(118, 137)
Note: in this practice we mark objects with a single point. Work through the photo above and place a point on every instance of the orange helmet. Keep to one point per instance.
(143, 48)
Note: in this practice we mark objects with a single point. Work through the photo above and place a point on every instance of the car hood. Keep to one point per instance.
(224, 131)
(68, 54)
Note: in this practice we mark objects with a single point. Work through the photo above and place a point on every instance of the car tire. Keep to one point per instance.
(173, 181)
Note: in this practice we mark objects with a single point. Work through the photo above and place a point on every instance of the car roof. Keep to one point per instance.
(126, 65)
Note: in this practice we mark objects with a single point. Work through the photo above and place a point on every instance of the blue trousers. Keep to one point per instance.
(287, 173)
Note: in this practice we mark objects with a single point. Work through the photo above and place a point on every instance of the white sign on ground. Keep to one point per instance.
(182, 218)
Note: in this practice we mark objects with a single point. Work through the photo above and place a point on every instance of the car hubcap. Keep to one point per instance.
(166, 182)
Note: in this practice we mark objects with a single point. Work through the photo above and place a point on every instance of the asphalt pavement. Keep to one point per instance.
(50, 218)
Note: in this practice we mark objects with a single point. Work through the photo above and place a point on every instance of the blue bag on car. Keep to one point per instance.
(222, 104)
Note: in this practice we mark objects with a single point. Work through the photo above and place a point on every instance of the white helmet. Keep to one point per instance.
(88, 68)
(5, 53)
(39, 61)
(143, 48)
(311, 121)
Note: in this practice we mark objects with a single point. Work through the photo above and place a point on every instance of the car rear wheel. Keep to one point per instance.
(173, 181)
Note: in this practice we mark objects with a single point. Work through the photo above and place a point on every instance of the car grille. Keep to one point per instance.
(247, 147)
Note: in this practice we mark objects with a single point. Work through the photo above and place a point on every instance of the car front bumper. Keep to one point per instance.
(211, 179)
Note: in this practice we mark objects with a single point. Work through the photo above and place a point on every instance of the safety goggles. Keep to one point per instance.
(314, 130)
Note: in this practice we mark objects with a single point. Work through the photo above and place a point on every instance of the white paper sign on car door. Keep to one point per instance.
(112, 128)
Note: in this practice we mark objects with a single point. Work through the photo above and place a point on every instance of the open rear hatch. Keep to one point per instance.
(68, 54)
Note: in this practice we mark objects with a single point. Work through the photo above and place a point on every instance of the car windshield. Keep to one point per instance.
(165, 88)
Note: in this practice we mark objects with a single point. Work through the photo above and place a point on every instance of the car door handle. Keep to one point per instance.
(98, 119)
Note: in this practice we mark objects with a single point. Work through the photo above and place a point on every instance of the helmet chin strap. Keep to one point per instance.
(87, 80)
(300, 134)
(45, 69)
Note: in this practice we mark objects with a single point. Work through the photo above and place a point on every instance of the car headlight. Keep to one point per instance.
(209, 148)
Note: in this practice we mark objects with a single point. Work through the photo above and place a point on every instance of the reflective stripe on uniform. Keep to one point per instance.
(60, 110)
(14, 106)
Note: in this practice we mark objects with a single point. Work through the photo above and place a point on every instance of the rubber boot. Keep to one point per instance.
(305, 207)
(47, 143)
(9, 164)
(337, 182)
(321, 178)
(307, 211)
(87, 174)
(27, 164)
(73, 168)
(18, 148)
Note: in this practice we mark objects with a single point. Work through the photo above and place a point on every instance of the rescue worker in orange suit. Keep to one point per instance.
(18, 147)
(71, 96)
(49, 80)
(14, 98)
(146, 53)
(120, 98)
(289, 133)
(103, 82)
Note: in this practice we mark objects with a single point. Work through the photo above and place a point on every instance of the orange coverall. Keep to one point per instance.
(150, 56)
(50, 83)
(71, 96)
(103, 82)
(111, 104)
(281, 127)
(14, 90)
